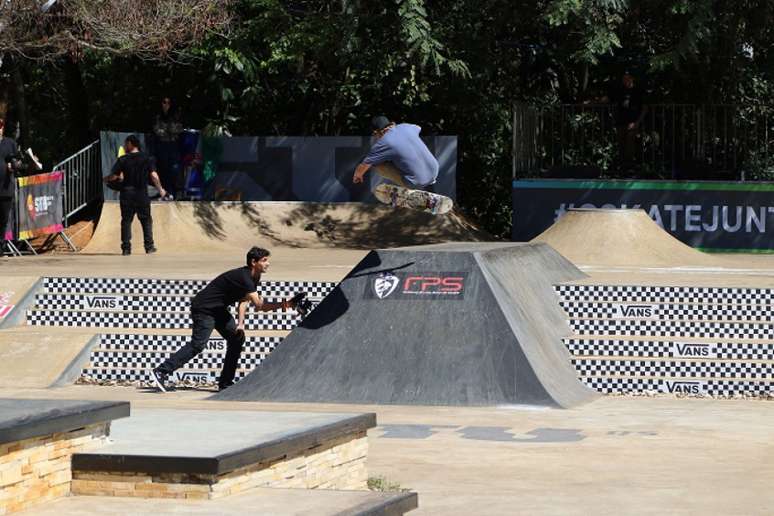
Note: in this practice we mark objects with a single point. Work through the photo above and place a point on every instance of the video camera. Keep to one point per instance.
(23, 162)
(302, 304)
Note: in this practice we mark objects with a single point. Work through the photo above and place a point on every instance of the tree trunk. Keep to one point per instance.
(20, 107)
(77, 105)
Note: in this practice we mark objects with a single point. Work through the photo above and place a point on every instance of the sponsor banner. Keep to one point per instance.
(277, 168)
(417, 286)
(637, 311)
(694, 350)
(718, 216)
(39, 205)
(684, 387)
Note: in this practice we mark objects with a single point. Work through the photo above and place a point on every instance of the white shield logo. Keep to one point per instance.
(385, 284)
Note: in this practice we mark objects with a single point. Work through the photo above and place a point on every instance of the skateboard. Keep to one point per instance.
(395, 195)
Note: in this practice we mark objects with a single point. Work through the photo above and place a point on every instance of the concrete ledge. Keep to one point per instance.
(218, 462)
(393, 505)
(25, 419)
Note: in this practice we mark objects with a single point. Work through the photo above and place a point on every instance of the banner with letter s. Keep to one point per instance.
(39, 205)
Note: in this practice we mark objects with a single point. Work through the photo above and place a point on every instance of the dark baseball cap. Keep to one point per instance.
(379, 122)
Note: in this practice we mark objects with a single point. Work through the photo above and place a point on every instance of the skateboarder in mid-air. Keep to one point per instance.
(400, 156)
(209, 310)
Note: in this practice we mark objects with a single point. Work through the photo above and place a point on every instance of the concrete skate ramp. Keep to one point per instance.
(203, 227)
(621, 238)
(452, 324)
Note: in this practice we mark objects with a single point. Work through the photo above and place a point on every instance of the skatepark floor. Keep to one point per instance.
(617, 455)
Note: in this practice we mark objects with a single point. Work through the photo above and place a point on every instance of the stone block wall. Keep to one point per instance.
(38, 469)
(336, 464)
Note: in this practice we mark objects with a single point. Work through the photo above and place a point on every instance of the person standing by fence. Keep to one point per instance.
(131, 174)
(8, 149)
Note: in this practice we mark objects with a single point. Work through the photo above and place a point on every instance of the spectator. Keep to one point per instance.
(8, 149)
(628, 100)
(167, 128)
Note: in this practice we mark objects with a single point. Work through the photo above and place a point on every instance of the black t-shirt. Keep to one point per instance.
(225, 290)
(629, 103)
(136, 167)
(8, 147)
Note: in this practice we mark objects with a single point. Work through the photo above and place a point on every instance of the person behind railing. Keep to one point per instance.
(166, 129)
(8, 150)
(628, 100)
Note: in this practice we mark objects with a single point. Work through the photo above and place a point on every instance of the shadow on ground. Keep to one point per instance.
(351, 226)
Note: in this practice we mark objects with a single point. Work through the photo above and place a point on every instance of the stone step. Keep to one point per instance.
(163, 320)
(668, 348)
(127, 342)
(119, 302)
(660, 368)
(146, 286)
(673, 328)
(664, 294)
(188, 373)
(667, 311)
(689, 386)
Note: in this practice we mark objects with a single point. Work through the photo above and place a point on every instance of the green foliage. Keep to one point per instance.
(315, 67)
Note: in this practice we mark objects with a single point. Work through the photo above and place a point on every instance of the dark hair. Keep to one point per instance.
(133, 140)
(378, 123)
(256, 253)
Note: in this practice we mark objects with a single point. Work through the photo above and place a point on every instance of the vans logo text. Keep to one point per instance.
(692, 349)
(647, 311)
(684, 387)
(109, 302)
(191, 376)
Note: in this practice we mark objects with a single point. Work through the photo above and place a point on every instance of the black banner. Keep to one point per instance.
(717, 216)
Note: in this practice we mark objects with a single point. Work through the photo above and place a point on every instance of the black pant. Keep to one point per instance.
(6, 203)
(203, 324)
(135, 202)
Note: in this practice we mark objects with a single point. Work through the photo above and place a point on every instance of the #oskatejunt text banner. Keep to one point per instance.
(718, 216)
(39, 205)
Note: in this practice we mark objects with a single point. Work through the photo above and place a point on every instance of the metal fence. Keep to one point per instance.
(82, 179)
(677, 141)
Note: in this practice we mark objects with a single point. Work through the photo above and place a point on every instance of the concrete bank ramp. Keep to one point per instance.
(450, 324)
(620, 237)
(213, 227)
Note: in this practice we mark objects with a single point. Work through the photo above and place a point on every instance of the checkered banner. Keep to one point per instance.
(39, 205)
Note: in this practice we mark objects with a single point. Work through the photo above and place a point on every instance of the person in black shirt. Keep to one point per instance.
(630, 111)
(209, 310)
(132, 172)
(8, 148)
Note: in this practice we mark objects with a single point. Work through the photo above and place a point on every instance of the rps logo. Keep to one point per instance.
(37, 206)
(385, 284)
(429, 285)
(638, 311)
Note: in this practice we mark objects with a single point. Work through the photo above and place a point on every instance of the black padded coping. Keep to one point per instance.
(227, 462)
(25, 419)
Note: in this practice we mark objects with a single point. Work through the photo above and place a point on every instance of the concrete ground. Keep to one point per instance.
(615, 456)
